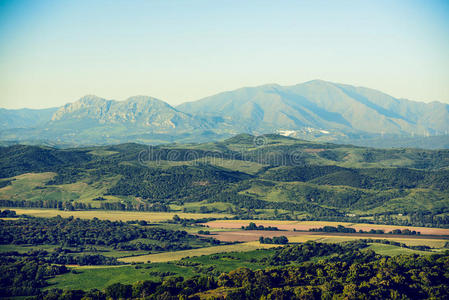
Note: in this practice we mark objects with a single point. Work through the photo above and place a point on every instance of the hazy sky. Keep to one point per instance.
(53, 52)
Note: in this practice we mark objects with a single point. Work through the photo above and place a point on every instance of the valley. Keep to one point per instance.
(224, 150)
(114, 216)
(282, 178)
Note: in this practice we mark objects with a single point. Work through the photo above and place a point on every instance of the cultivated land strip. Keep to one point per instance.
(306, 225)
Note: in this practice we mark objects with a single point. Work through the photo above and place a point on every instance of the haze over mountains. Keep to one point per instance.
(316, 110)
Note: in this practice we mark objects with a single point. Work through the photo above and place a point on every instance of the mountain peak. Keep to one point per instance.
(321, 105)
(140, 112)
(146, 101)
(89, 99)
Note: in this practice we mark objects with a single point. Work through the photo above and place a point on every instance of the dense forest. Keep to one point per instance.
(75, 232)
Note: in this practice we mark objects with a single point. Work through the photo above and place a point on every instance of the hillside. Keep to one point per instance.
(267, 176)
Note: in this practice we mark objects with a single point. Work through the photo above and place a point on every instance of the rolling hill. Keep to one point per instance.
(268, 176)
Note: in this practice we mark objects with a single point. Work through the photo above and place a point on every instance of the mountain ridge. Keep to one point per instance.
(316, 110)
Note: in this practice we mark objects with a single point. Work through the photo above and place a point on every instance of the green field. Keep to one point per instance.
(32, 187)
(177, 255)
(390, 250)
(194, 262)
(99, 277)
(89, 278)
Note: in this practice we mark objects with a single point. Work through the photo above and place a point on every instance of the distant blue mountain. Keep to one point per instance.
(316, 110)
(323, 105)
(24, 118)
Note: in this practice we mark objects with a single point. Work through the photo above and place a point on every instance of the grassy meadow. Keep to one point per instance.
(177, 255)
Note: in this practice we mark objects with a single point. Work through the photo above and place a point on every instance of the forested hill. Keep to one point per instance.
(245, 175)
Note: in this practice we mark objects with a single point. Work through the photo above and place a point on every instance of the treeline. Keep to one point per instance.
(72, 205)
(71, 232)
(339, 228)
(253, 226)
(306, 251)
(186, 221)
(342, 229)
(436, 217)
(433, 218)
(404, 231)
(63, 257)
(279, 240)
(7, 214)
(61, 205)
(155, 206)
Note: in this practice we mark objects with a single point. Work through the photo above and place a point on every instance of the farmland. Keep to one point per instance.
(194, 261)
(114, 215)
(94, 277)
(306, 225)
(235, 177)
(112, 218)
(188, 263)
(164, 257)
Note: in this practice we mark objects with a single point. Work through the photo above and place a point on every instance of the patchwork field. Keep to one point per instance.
(177, 255)
(88, 277)
(301, 237)
(113, 215)
(410, 241)
(221, 258)
(306, 225)
(251, 235)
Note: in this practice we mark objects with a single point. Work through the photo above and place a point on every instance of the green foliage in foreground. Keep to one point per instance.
(341, 271)
(25, 276)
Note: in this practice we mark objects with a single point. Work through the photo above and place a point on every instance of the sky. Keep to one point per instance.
(54, 52)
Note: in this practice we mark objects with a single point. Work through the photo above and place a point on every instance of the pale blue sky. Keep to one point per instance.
(53, 52)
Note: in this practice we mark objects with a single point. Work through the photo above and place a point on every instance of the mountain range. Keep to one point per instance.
(314, 110)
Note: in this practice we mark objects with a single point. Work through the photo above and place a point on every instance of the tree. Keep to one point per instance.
(119, 291)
